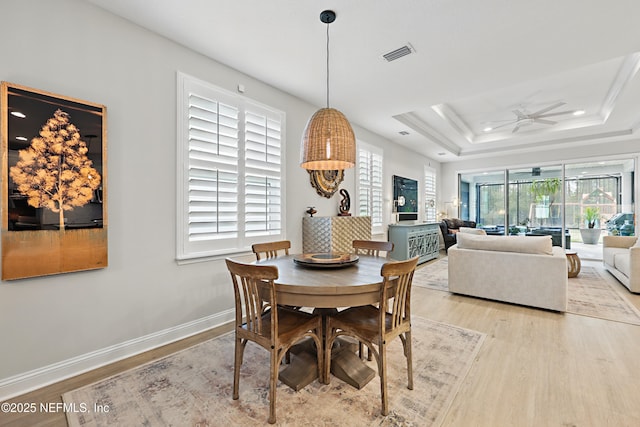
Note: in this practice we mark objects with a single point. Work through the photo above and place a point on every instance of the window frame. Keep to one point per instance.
(188, 250)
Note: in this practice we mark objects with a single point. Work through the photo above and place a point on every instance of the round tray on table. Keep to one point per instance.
(326, 260)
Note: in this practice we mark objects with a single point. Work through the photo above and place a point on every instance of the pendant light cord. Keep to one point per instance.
(327, 65)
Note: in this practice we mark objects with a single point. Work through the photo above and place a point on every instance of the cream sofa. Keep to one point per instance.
(524, 270)
(621, 257)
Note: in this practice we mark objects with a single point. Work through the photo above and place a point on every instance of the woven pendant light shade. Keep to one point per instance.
(328, 142)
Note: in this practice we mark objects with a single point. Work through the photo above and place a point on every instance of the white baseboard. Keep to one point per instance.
(37, 378)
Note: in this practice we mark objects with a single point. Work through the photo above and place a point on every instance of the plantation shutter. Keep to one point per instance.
(430, 194)
(229, 172)
(364, 172)
(213, 169)
(263, 182)
(370, 185)
(376, 190)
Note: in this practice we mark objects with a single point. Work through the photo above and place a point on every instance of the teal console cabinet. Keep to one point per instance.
(415, 240)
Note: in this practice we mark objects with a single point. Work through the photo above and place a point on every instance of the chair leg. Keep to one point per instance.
(409, 361)
(237, 362)
(361, 348)
(320, 356)
(273, 379)
(382, 371)
(327, 355)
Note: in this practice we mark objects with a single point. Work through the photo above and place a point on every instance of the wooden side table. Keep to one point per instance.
(573, 263)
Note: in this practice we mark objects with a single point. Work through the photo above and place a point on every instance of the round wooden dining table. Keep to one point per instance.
(322, 287)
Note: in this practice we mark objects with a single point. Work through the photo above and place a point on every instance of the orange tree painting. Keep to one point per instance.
(53, 183)
(54, 172)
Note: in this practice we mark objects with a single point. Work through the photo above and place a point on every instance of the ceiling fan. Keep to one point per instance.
(526, 119)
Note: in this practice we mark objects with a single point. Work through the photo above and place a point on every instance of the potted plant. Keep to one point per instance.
(591, 234)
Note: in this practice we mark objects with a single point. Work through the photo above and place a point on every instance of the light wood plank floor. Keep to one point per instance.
(536, 368)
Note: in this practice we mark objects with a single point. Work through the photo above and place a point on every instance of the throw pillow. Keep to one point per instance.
(470, 230)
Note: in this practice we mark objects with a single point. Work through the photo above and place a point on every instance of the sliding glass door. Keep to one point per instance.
(599, 199)
(575, 203)
(535, 199)
(482, 199)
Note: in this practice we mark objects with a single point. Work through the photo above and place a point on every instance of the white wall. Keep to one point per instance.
(55, 326)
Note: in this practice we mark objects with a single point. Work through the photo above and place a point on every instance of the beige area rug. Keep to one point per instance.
(193, 388)
(589, 294)
(433, 275)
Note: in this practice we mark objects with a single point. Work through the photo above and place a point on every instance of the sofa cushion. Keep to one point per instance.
(622, 262)
(521, 244)
(473, 230)
(609, 254)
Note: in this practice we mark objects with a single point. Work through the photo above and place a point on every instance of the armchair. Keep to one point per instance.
(450, 226)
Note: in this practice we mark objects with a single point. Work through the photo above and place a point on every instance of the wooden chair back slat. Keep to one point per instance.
(371, 247)
(397, 276)
(270, 249)
(252, 284)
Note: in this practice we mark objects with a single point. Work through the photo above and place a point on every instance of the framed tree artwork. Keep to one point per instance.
(54, 198)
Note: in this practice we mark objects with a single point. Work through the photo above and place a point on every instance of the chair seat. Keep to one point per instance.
(364, 319)
(289, 323)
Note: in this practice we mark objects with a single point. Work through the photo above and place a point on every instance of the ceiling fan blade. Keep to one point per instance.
(516, 129)
(559, 113)
(549, 108)
(497, 121)
(544, 122)
(506, 124)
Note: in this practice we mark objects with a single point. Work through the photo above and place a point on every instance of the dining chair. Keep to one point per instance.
(372, 247)
(276, 330)
(377, 326)
(270, 249)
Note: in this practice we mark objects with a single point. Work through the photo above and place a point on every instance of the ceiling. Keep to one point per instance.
(474, 64)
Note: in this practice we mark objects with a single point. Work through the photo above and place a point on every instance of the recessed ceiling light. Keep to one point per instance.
(442, 154)
(21, 138)
(578, 112)
(487, 129)
(18, 114)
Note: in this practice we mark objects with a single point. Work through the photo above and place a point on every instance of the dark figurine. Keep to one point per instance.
(345, 203)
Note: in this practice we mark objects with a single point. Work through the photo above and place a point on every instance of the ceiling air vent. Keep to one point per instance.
(398, 53)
